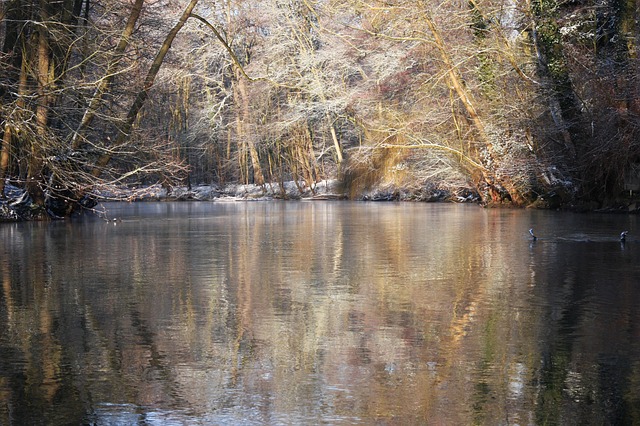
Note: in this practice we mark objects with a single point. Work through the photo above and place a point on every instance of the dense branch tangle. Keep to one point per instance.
(51, 65)
(440, 57)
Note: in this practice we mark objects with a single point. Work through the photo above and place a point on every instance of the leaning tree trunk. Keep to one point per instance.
(110, 73)
(481, 176)
(125, 130)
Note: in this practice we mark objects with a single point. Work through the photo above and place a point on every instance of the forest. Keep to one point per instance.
(530, 103)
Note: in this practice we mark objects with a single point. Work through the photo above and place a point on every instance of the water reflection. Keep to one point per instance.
(306, 313)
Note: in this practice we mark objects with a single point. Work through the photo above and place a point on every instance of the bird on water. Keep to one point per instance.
(532, 234)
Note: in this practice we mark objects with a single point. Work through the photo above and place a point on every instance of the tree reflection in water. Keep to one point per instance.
(319, 312)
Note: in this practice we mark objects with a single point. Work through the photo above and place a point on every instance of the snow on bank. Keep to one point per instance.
(285, 190)
(291, 190)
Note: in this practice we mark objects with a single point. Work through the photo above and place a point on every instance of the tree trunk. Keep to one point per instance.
(12, 138)
(5, 149)
(244, 138)
(13, 49)
(14, 17)
(35, 179)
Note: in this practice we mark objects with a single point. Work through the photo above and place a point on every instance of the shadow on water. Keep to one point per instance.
(308, 313)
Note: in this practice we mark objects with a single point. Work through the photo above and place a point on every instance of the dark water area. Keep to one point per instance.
(320, 313)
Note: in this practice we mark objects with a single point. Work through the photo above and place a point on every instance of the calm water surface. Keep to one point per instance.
(320, 313)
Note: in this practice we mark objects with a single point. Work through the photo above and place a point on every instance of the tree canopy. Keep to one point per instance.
(522, 103)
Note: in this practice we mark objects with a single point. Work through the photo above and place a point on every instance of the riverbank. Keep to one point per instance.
(326, 189)
(16, 206)
(332, 189)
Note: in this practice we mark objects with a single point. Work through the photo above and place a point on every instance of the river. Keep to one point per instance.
(320, 312)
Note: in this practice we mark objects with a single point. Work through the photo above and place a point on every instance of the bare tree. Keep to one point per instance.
(63, 161)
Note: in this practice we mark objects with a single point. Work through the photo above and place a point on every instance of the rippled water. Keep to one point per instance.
(320, 313)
